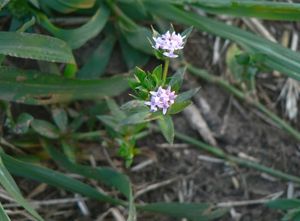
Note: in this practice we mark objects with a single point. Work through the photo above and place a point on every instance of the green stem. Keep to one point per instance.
(100, 133)
(88, 135)
(240, 95)
(166, 68)
(245, 163)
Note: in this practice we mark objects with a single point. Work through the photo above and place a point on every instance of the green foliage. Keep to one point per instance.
(35, 46)
(120, 25)
(31, 87)
(11, 187)
(77, 37)
(292, 206)
(3, 215)
(166, 126)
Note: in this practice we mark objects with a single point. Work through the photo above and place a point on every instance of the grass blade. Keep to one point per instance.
(97, 62)
(274, 55)
(3, 3)
(35, 88)
(66, 6)
(109, 177)
(10, 186)
(3, 215)
(54, 178)
(78, 36)
(35, 46)
(251, 8)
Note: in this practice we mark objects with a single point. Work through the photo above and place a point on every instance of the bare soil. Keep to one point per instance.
(239, 129)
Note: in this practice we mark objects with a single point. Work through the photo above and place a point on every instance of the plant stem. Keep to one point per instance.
(166, 68)
(245, 163)
(88, 135)
(239, 94)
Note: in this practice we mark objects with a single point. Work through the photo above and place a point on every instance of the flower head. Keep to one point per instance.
(169, 43)
(161, 99)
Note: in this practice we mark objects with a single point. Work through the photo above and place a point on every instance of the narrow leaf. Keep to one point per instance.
(275, 55)
(36, 88)
(35, 46)
(45, 129)
(60, 118)
(3, 3)
(54, 178)
(3, 215)
(186, 95)
(66, 6)
(78, 36)
(10, 186)
(284, 204)
(166, 126)
(107, 176)
(97, 62)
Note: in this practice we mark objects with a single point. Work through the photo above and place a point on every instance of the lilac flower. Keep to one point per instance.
(161, 99)
(169, 43)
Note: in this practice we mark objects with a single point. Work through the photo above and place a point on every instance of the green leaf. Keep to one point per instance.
(66, 6)
(136, 36)
(109, 121)
(177, 79)
(69, 151)
(132, 56)
(235, 68)
(80, 4)
(140, 74)
(78, 36)
(27, 25)
(23, 123)
(3, 215)
(134, 106)
(3, 3)
(284, 204)
(259, 9)
(115, 110)
(53, 178)
(35, 46)
(108, 176)
(70, 70)
(187, 95)
(60, 118)
(11, 187)
(137, 118)
(45, 129)
(177, 107)
(157, 74)
(275, 55)
(166, 126)
(191, 211)
(97, 62)
(35, 88)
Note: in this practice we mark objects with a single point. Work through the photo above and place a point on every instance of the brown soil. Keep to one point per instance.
(197, 180)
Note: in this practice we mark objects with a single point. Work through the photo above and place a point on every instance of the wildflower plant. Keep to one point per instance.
(158, 92)
(31, 30)
(156, 97)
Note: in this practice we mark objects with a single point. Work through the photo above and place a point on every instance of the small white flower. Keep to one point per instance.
(161, 99)
(169, 43)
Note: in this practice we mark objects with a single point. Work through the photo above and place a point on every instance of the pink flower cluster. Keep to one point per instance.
(169, 43)
(161, 99)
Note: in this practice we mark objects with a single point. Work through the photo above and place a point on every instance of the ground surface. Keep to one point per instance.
(178, 171)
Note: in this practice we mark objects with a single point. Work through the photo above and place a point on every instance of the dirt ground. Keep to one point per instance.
(244, 132)
(183, 173)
